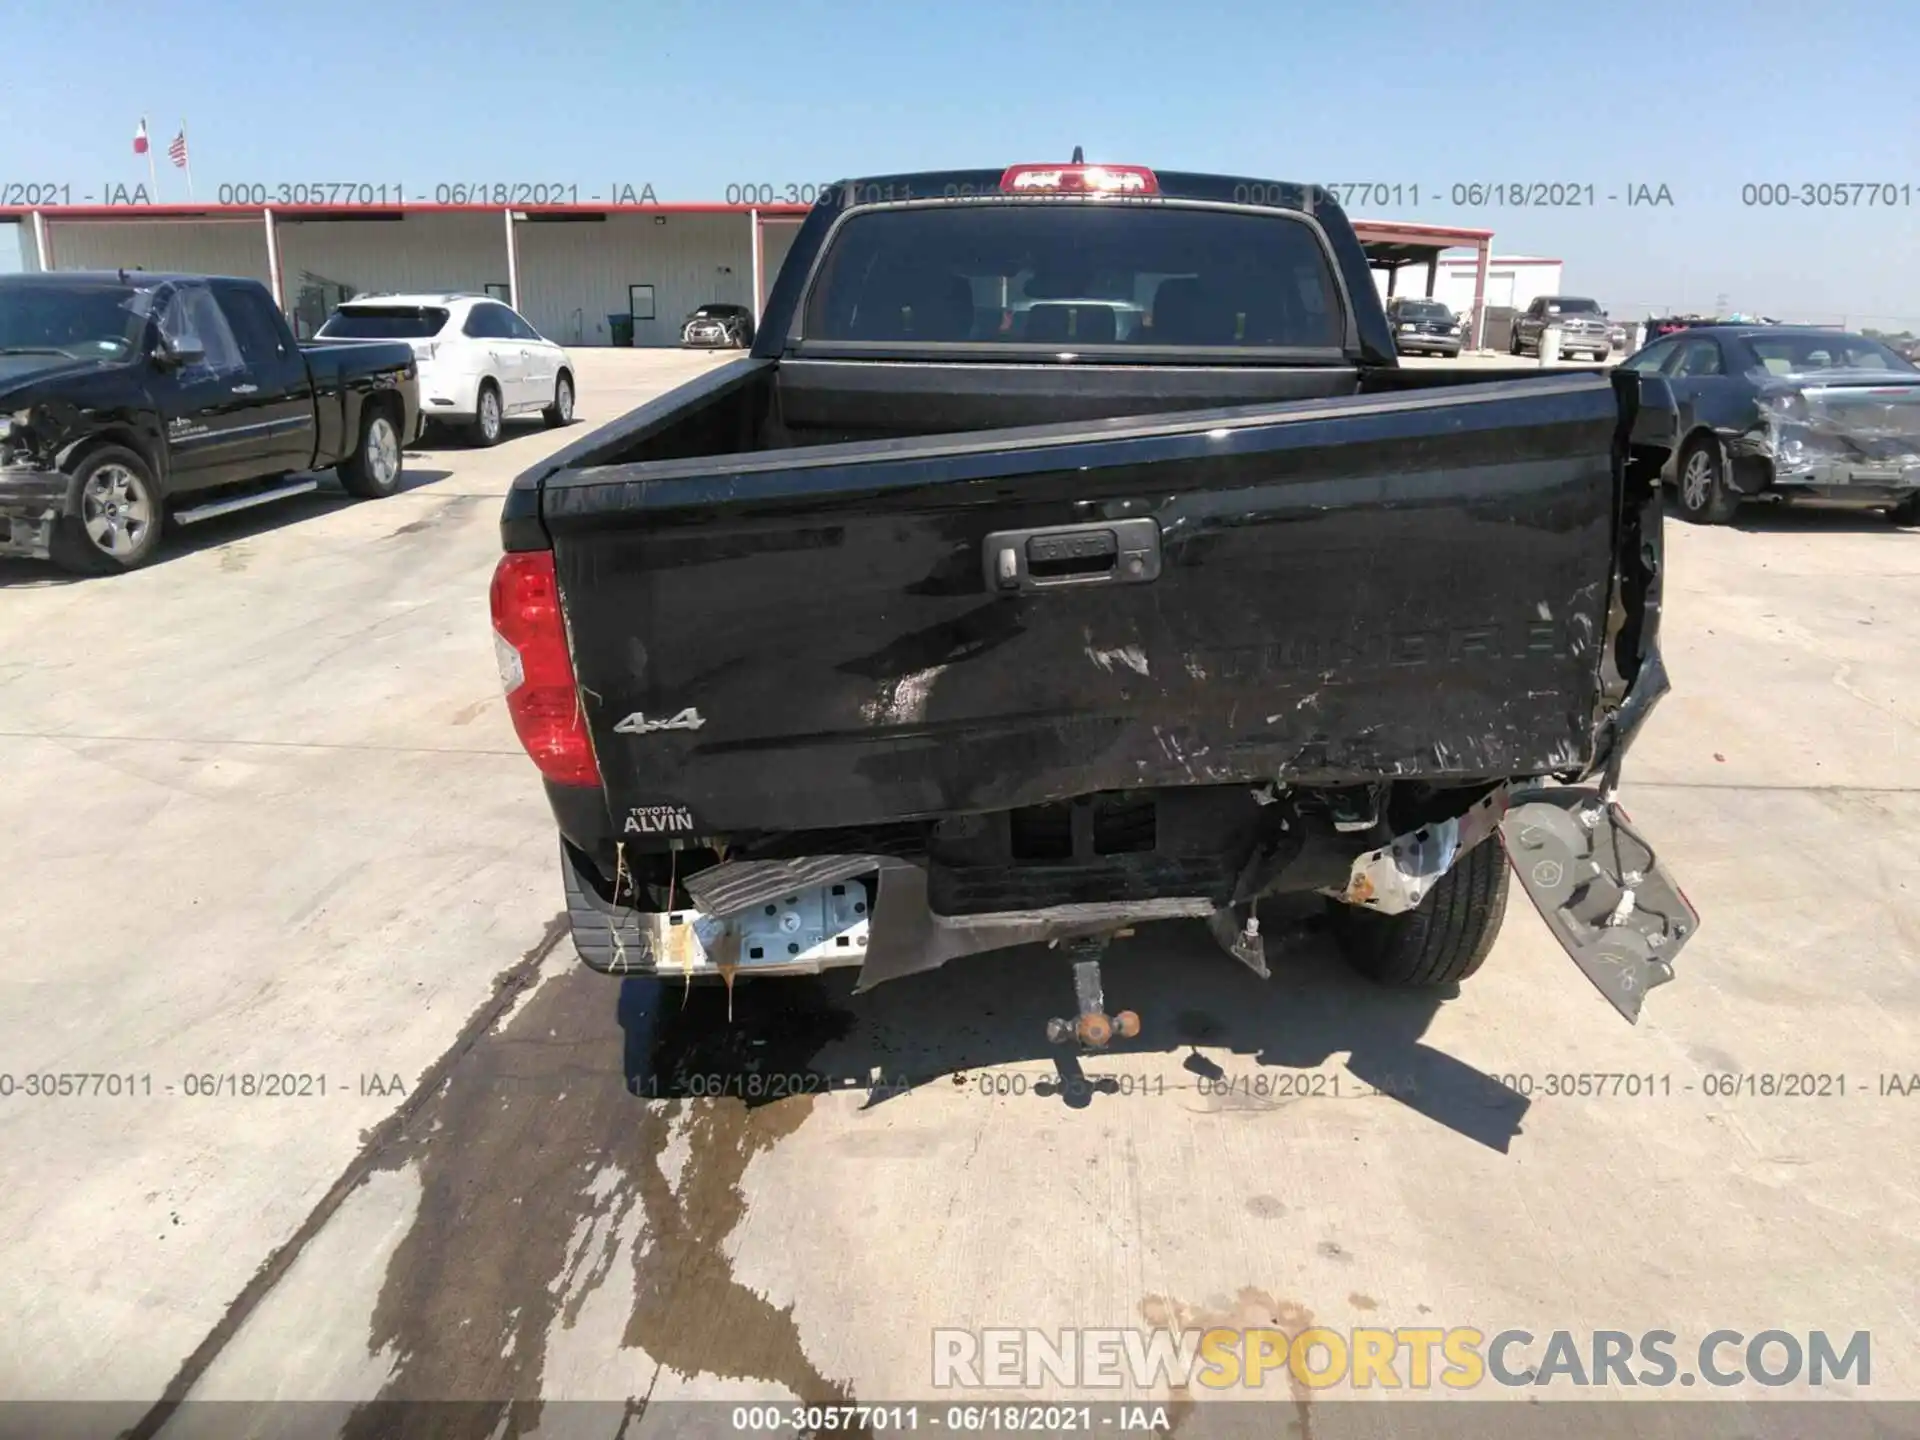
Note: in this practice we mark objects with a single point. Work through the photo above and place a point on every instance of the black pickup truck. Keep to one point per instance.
(128, 399)
(1071, 552)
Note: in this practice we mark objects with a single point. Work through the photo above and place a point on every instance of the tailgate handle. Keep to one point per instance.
(1117, 552)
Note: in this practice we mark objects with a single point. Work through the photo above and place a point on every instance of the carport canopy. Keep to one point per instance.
(1393, 245)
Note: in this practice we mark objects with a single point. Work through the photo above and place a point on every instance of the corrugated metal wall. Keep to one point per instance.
(207, 247)
(19, 233)
(320, 259)
(778, 238)
(573, 274)
(1508, 284)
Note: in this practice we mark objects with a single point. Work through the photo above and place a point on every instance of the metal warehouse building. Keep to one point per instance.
(567, 268)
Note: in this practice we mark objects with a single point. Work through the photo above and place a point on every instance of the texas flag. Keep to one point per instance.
(140, 138)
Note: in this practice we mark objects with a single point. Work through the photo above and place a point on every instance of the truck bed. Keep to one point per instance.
(752, 405)
(1402, 578)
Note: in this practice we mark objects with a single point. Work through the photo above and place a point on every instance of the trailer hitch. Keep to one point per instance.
(1094, 1028)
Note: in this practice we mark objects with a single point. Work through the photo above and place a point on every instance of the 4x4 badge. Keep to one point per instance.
(638, 724)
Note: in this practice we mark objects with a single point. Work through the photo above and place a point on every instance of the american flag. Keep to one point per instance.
(177, 152)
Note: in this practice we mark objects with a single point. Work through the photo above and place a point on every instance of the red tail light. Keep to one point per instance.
(1080, 180)
(536, 668)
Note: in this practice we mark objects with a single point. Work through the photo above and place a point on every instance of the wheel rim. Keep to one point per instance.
(489, 414)
(565, 403)
(116, 510)
(383, 451)
(1696, 480)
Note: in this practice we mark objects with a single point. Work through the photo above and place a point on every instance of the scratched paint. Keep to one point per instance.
(1131, 656)
(903, 701)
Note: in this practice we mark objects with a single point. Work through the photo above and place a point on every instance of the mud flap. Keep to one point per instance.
(1601, 890)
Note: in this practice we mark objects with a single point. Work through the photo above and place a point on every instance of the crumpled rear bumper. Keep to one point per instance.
(1834, 457)
(31, 504)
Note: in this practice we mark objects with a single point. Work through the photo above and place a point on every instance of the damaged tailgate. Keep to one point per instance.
(1413, 585)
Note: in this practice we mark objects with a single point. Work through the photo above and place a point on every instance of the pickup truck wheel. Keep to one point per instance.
(488, 418)
(561, 411)
(1907, 512)
(1704, 496)
(120, 520)
(1441, 941)
(372, 472)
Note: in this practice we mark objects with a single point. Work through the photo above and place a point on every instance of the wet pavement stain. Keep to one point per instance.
(1250, 1309)
(688, 1310)
(534, 1143)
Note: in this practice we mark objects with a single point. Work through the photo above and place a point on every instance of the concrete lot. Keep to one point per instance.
(267, 815)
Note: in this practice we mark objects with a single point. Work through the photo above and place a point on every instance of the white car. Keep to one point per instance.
(481, 364)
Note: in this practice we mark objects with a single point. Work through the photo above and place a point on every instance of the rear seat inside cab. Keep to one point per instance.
(1189, 312)
(914, 305)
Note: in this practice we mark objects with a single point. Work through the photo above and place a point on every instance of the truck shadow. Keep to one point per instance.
(959, 1025)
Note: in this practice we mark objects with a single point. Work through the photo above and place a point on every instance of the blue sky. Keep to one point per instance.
(1702, 96)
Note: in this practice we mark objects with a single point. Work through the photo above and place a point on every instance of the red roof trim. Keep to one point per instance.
(1409, 230)
(254, 212)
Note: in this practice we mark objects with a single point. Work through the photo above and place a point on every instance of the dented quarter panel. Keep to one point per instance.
(1416, 585)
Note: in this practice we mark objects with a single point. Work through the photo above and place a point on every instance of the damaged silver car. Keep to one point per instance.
(1781, 412)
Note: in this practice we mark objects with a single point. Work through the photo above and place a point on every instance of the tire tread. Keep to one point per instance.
(1445, 939)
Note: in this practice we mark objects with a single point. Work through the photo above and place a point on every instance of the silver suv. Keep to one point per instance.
(1583, 325)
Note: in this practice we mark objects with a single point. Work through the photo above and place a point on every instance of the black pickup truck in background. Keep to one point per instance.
(129, 398)
(1071, 552)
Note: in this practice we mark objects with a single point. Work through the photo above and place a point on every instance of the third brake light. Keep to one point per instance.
(1079, 180)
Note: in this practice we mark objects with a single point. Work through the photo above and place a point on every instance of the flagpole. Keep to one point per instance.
(153, 179)
(186, 154)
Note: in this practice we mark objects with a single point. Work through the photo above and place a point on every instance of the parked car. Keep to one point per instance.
(1584, 328)
(887, 644)
(481, 363)
(1423, 327)
(717, 326)
(129, 397)
(1786, 411)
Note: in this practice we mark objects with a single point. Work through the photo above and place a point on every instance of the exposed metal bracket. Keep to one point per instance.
(1237, 929)
(1396, 877)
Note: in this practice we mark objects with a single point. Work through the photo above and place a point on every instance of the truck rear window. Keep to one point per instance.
(383, 322)
(1067, 275)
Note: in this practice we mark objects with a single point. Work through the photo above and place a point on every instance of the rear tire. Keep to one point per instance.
(489, 416)
(1907, 512)
(374, 469)
(561, 411)
(1704, 496)
(120, 520)
(1443, 940)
